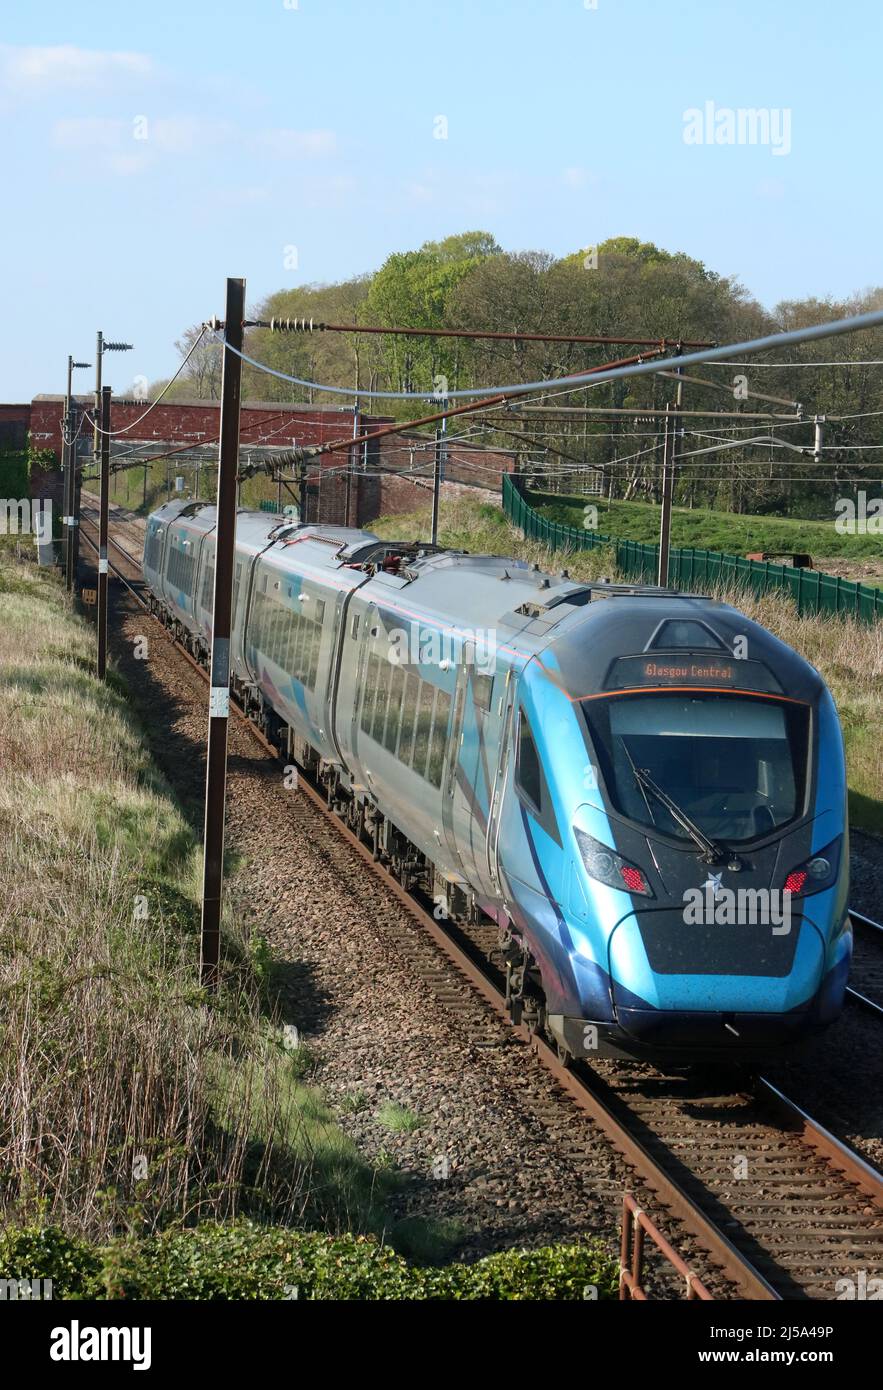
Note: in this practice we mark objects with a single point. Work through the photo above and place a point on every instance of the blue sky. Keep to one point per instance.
(152, 150)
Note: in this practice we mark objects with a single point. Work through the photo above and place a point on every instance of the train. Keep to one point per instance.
(644, 790)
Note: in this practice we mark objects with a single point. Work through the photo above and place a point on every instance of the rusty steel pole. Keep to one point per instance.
(351, 458)
(72, 503)
(670, 439)
(665, 517)
(96, 414)
(219, 689)
(437, 473)
(67, 473)
(102, 533)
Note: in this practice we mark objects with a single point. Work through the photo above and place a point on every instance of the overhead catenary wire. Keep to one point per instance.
(840, 362)
(304, 325)
(155, 403)
(832, 329)
(298, 456)
(472, 393)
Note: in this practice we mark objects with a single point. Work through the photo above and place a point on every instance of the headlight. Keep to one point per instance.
(815, 873)
(608, 867)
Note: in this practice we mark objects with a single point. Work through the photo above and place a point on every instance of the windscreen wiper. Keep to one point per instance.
(712, 852)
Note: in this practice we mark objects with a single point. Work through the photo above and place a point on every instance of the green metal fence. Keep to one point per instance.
(813, 591)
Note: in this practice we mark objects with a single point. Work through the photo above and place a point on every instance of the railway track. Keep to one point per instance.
(750, 1187)
(868, 962)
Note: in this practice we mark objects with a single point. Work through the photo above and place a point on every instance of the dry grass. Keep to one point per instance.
(128, 1097)
(482, 529)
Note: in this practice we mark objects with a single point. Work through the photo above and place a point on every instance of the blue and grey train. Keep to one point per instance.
(576, 761)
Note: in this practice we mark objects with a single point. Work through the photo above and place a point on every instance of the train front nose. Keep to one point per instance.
(719, 985)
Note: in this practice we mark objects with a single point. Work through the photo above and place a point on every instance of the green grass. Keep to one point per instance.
(398, 1118)
(710, 530)
(354, 1103)
(102, 1011)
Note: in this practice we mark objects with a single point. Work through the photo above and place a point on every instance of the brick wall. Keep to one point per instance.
(197, 422)
(406, 481)
(383, 487)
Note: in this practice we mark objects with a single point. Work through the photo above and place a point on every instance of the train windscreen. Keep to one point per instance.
(735, 766)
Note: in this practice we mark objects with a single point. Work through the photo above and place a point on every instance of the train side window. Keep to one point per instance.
(409, 717)
(208, 588)
(289, 640)
(424, 727)
(482, 688)
(394, 715)
(384, 678)
(436, 764)
(528, 777)
(151, 550)
(315, 640)
(257, 621)
(297, 643)
(237, 575)
(369, 698)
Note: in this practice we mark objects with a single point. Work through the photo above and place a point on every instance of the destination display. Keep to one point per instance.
(701, 669)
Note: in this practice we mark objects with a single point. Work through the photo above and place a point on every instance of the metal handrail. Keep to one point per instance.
(635, 1222)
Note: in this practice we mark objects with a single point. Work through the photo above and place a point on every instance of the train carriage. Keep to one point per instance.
(644, 789)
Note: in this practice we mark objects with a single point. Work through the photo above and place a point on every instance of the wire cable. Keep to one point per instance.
(153, 404)
(832, 329)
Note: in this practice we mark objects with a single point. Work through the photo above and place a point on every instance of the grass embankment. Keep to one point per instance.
(848, 655)
(156, 1140)
(735, 533)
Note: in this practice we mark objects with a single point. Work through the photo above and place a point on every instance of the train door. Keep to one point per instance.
(471, 773)
(503, 705)
(456, 807)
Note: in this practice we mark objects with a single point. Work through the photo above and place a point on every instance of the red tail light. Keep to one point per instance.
(633, 878)
(816, 873)
(606, 866)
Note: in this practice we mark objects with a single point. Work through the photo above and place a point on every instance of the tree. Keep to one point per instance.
(202, 375)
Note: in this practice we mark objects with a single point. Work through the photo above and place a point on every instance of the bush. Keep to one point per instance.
(36, 1252)
(14, 475)
(240, 1260)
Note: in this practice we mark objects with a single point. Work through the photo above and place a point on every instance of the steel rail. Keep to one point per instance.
(874, 931)
(866, 923)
